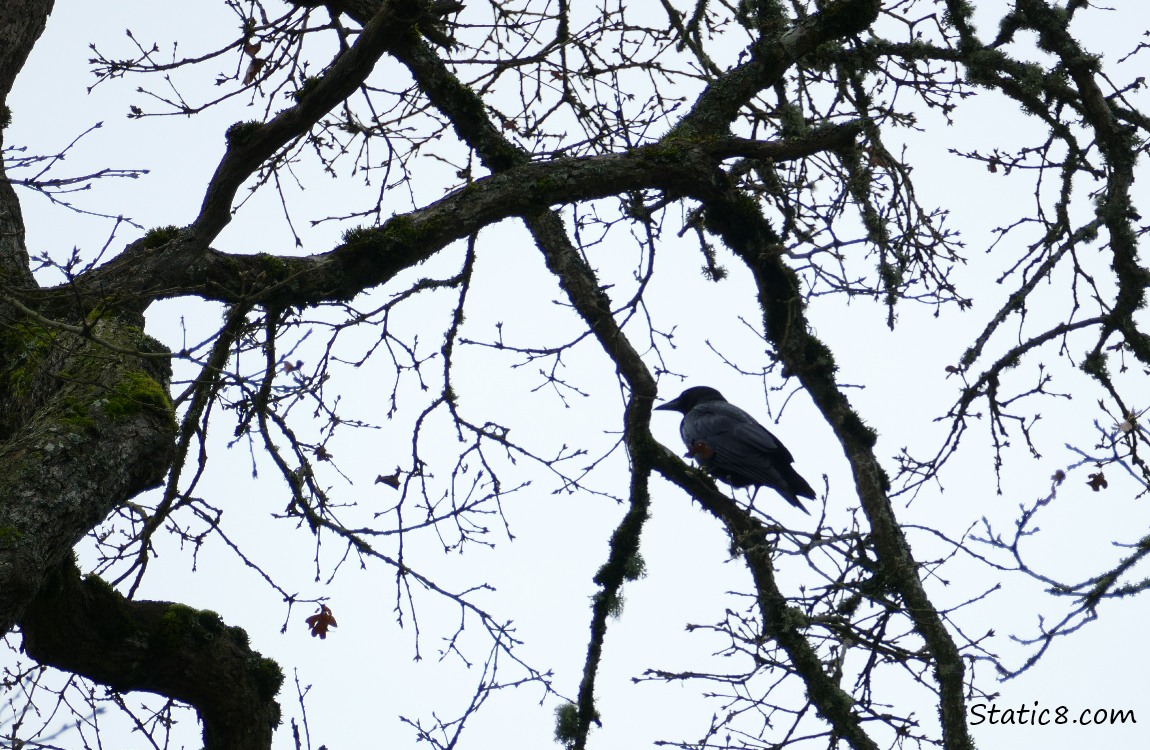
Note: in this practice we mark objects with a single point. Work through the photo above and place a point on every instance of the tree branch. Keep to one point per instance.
(84, 626)
(84, 429)
(249, 147)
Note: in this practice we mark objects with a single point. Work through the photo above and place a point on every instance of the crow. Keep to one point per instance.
(733, 447)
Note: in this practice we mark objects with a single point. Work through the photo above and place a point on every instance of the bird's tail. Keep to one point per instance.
(795, 488)
(791, 498)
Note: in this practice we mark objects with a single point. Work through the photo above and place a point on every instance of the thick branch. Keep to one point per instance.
(744, 230)
(249, 148)
(85, 428)
(781, 623)
(1120, 149)
(85, 627)
(720, 103)
(372, 256)
(21, 24)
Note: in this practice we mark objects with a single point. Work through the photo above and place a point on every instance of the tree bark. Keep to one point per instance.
(81, 625)
(88, 424)
(21, 24)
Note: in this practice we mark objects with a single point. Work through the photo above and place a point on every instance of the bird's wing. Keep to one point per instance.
(739, 443)
(736, 449)
(734, 430)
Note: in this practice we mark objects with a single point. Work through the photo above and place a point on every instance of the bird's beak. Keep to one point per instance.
(671, 405)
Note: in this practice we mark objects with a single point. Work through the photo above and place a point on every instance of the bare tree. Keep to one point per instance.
(768, 134)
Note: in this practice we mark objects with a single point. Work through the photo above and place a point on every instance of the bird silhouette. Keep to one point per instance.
(733, 447)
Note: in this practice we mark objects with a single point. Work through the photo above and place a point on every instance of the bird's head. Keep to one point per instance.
(690, 398)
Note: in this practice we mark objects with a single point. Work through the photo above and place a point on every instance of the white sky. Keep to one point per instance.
(363, 677)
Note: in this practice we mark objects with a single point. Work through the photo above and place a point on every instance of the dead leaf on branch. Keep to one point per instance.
(321, 621)
(254, 68)
(391, 481)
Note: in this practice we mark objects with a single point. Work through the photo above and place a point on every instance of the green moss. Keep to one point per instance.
(611, 601)
(97, 313)
(548, 184)
(795, 619)
(791, 115)
(25, 345)
(265, 674)
(273, 264)
(76, 417)
(1095, 365)
(567, 724)
(10, 535)
(670, 149)
(210, 621)
(239, 635)
(306, 86)
(739, 222)
(831, 693)
(159, 236)
(68, 385)
(400, 229)
(242, 132)
(28, 345)
(847, 607)
(96, 582)
(635, 567)
(356, 235)
(175, 623)
(134, 393)
(182, 622)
